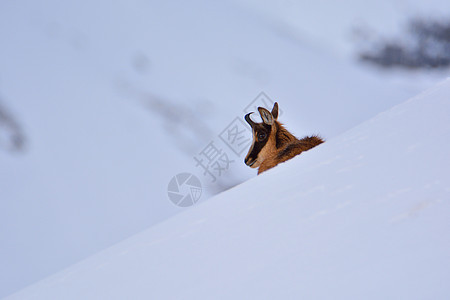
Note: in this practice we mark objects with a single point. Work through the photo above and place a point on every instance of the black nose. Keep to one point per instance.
(249, 162)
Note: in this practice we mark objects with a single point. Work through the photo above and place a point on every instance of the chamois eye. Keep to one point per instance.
(261, 136)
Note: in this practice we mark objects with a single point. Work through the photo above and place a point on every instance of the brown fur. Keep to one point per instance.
(280, 146)
(288, 147)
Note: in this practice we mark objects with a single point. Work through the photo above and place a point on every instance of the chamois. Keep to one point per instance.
(272, 143)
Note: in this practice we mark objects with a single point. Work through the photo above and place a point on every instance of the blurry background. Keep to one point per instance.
(103, 102)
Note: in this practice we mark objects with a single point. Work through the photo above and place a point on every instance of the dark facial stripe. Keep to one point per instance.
(259, 144)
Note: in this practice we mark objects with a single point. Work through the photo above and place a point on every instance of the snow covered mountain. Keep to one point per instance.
(108, 100)
(363, 216)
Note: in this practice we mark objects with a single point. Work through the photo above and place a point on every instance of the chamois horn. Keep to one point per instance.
(249, 121)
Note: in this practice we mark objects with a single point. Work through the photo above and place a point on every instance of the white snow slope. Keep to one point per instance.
(95, 85)
(363, 216)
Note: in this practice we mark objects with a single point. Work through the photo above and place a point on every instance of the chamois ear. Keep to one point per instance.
(275, 111)
(266, 116)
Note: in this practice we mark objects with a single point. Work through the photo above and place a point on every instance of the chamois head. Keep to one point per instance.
(264, 136)
(272, 143)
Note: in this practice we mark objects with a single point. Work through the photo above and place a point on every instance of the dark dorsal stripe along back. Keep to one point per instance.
(304, 144)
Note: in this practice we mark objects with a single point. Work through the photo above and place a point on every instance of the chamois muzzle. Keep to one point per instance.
(249, 121)
(248, 162)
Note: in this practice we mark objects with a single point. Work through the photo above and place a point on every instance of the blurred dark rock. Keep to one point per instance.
(425, 45)
(12, 137)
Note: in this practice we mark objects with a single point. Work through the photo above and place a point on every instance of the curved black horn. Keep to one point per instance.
(249, 121)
